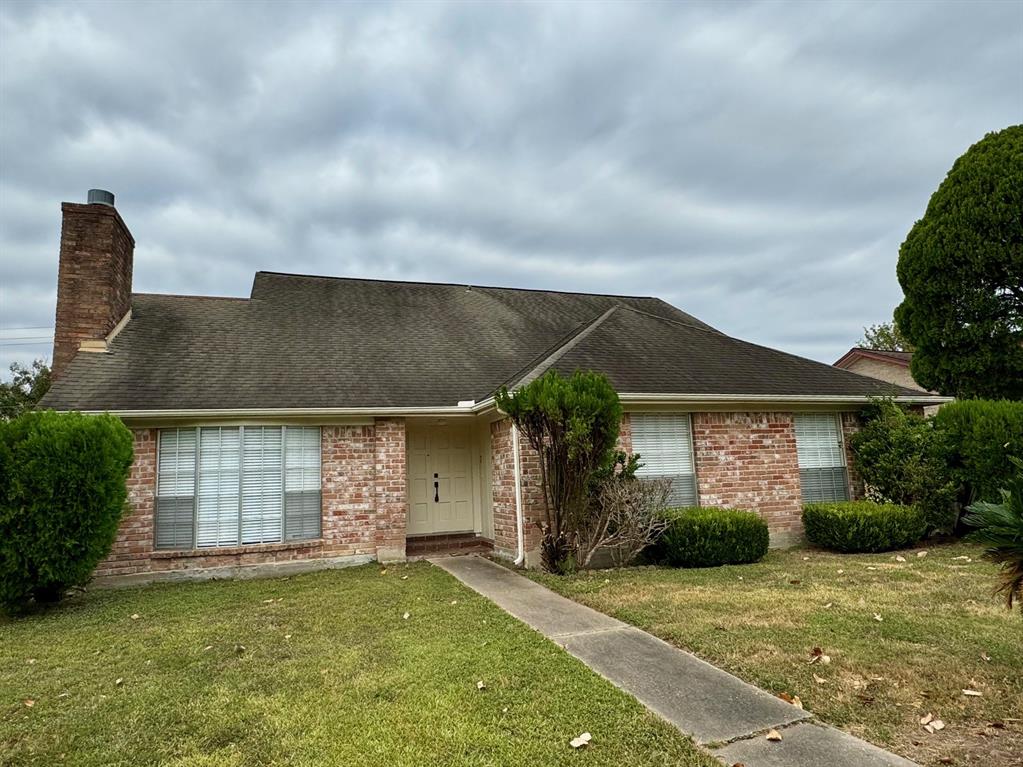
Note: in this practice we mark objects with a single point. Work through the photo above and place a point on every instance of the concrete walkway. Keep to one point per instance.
(720, 712)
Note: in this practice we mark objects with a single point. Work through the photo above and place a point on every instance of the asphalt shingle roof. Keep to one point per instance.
(320, 342)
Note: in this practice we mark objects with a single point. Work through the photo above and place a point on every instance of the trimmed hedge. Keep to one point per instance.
(708, 537)
(62, 494)
(980, 436)
(854, 526)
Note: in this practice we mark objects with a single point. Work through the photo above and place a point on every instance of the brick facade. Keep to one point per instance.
(749, 461)
(93, 280)
(362, 472)
(743, 460)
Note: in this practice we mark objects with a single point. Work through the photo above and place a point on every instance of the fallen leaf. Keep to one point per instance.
(921, 553)
(973, 693)
(900, 558)
(817, 656)
(819, 679)
(794, 582)
(31, 661)
(997, 725)
(384, 571)
(926, 719)
(581, 741)
(985, 657)
(29, 702)
(773, 735)
(796, 701)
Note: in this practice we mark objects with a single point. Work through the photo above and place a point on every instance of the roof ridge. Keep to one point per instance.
(557, 350)
(704, 328)
(454, 285)
(185, 295)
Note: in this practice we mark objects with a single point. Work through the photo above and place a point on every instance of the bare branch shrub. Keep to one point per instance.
(628, 516)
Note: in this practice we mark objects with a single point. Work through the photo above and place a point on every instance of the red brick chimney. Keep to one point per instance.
(94, 279)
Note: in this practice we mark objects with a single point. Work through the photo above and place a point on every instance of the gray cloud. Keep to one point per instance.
(757, 164)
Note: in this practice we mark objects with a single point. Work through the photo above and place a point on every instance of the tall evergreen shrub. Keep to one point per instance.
(62, 495)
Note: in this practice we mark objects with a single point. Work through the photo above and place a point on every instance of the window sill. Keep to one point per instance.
(251, 548)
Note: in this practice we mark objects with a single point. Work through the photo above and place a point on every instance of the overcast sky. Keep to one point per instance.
(757, 165)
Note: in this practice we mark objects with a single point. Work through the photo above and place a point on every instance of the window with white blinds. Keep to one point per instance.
(665, 446)
(822, 472)
(225, 486)
(175, 479)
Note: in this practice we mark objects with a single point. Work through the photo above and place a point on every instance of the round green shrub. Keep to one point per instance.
(851, 526)
(62, 494)
(707, 537)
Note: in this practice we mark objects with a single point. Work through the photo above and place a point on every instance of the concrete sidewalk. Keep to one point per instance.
(719, 711)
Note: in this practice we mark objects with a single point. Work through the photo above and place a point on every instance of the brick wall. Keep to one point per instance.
(93, 280)
(363, 501)
(850, 425)
(134, 542)
(389, 489)
(749, 461)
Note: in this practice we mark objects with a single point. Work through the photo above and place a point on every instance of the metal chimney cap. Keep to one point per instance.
(101, 197)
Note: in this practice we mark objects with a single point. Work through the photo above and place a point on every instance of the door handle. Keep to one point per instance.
(436, 489)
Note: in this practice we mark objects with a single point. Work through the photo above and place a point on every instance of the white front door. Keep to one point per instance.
(439, 479)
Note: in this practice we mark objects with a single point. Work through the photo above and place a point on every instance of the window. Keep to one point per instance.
(231, 485)
(821, 457)
(665, 446)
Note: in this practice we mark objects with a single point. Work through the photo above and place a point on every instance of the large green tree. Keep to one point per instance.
(886, 336)
(961, 269)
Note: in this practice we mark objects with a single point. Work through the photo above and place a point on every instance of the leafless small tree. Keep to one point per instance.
(628, 517)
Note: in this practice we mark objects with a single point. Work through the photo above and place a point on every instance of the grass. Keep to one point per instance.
(318, 669)
(940, 631)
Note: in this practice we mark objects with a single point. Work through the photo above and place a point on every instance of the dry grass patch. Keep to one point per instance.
(904, 638)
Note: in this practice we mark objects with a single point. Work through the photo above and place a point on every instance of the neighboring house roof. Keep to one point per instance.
(302, 342)
(881, 355)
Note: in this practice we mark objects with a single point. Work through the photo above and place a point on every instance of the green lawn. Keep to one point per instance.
(318, 669)
(940, 631)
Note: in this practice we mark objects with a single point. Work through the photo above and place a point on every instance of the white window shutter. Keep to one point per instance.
(219, 472)
(821, 457)
(665, 446)
(302, 510)
(262, 484)
(175, 489)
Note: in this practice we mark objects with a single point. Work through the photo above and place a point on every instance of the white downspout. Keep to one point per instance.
(519, 524)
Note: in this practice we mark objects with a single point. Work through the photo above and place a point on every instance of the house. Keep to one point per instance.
(324, 421)
(883, 364)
